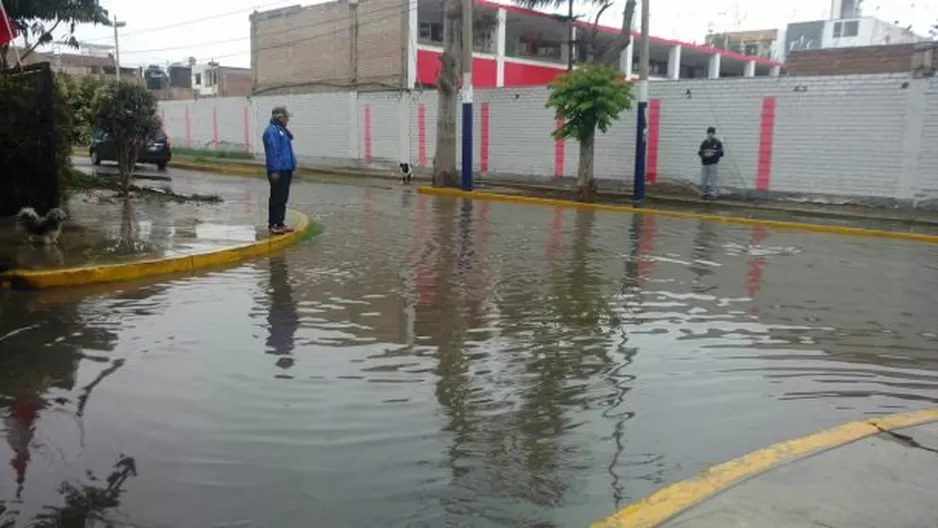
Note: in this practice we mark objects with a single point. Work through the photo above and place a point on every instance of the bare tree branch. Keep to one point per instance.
(45, 37)
(625, 35)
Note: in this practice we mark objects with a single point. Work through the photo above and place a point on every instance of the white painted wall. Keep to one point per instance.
(866, 136)
(870, 32)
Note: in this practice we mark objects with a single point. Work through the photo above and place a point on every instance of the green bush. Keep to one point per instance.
(127, 113)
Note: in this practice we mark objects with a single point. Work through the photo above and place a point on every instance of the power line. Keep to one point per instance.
(397, 10)
(192, 21)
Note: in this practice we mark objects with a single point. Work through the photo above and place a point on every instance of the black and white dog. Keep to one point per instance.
(40, 229)
(407, 173)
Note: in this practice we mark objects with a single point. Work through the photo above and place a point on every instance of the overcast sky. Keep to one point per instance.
(172, 30)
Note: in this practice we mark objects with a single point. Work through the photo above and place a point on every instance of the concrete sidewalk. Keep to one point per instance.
(110, 239)
(887, 480)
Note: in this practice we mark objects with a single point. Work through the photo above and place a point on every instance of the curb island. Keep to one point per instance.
(86, 275)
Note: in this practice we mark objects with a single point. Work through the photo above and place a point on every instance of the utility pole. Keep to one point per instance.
(467, 47)
(638, 190)
(570, 46)
(353, 42)
(117, 47)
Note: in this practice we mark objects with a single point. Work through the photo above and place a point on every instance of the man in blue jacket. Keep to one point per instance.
(278, 149)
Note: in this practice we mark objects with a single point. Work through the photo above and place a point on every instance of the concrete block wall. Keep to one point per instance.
(866, 137)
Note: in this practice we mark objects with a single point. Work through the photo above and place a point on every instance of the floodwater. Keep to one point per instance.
(437, 362)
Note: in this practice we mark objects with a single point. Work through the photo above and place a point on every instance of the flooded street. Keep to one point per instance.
(431, 361)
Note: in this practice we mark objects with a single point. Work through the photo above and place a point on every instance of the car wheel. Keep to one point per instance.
(95, 159)
(161, 165)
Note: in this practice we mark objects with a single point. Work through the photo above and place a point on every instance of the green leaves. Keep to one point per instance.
(127, 113)
(39, 19)
(588, 98)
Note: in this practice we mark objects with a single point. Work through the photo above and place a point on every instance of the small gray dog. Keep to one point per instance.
(41, 229)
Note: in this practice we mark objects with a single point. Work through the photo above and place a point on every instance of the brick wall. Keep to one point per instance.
(896, 58)
(302, 50)
(867, 137)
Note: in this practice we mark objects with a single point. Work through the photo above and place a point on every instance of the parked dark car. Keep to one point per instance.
(157, 150)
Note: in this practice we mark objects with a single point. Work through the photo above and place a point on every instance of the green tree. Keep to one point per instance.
(78, 95)
(37, 20)
(588, 98)
(127, 113)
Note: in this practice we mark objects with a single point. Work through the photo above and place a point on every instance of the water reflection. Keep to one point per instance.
(705, 242)
(282, 317)
(468, 364)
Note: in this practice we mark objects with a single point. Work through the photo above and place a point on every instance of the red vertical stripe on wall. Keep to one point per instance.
(247, 129)
(188, 127)
(654, 121)
(558, 152)
(367, 133)
(484, 146)
(766, 142)
(214, 127)
(422, 135)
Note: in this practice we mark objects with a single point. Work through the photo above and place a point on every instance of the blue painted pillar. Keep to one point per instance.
(641, 135)
(466, 182)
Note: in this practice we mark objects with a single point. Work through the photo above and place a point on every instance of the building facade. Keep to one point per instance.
(376, 45)
(215, 80)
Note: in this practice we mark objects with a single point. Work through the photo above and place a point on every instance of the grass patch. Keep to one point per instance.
(210, 154)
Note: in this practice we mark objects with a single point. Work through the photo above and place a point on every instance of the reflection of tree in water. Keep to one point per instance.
(558, 340)
(84, 503)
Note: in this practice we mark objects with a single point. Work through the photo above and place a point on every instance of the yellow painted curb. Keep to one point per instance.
(677, 498)
(777, 224)
(81, 276)
(219, 168)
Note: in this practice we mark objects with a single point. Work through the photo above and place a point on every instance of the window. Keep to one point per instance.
(847, 29)
(852, 28)
(751, 49)
(198, 79)
(431, 32)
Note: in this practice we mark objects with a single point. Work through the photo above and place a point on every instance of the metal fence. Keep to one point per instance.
(29, 144)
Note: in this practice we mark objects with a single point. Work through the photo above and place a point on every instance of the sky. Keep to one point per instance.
(173, 30)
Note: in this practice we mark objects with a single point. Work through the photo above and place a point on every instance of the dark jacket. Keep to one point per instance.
(278, 147)
(711, 144)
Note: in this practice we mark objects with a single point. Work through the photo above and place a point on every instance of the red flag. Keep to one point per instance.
(7, 31)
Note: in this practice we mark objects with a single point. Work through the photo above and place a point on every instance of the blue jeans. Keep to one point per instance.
(277, 203)
(708, 180)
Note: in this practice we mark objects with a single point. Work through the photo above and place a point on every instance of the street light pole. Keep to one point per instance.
(117, 47)
(467, 46)
(638, 189)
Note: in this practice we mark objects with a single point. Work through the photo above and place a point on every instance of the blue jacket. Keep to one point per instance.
(278, 149)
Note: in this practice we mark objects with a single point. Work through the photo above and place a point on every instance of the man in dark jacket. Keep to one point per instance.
(711, 150)
(278, 149)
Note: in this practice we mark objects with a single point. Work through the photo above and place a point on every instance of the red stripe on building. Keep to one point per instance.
(247, 129)
(556, 234)
(367, 133)
(484, 133)
(188, 127)
(646, 245)
(766, 142)
(214, 127)
(558, 152)
(422, 135)
(654, 121)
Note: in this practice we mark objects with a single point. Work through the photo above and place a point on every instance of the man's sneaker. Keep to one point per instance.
(276, 230)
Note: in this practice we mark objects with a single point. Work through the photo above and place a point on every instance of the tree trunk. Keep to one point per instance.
(444, 160)
(586, 185)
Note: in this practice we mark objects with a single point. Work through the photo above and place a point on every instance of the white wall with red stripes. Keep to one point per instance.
(867, 137)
